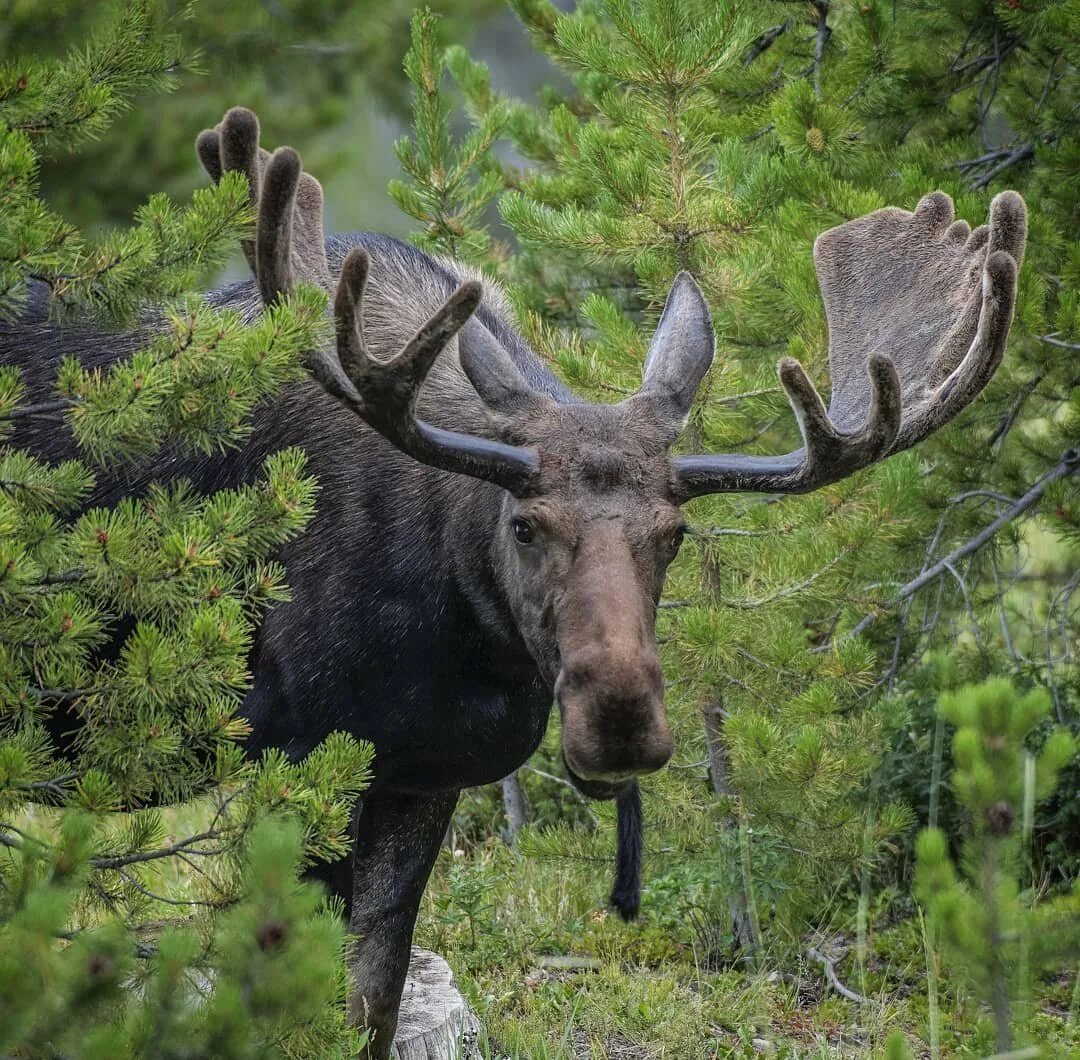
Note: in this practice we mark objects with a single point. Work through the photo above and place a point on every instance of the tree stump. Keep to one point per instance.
(435, 1021)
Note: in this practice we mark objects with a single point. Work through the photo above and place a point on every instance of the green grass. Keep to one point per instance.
(652, 991)
(654, 996)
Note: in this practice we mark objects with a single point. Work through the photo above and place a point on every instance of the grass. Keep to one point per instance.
(654, 995)
(653, 990)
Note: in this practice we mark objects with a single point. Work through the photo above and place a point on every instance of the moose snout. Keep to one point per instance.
(613, 718)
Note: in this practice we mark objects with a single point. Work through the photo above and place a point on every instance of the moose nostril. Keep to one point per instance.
(660, 748)
(591, 758)
(614, 739)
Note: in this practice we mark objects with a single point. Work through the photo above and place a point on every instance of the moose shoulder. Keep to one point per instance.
(486, 542)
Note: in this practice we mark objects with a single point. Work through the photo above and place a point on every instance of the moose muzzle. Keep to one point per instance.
(613, 715)
(610, 685)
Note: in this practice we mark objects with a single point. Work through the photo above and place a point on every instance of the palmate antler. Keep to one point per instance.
(289, 247)
(918, 308)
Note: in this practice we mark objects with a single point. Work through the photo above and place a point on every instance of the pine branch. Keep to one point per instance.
(751, 603)
(138, 857)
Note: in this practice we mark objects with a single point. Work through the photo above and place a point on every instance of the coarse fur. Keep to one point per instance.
(374, 604)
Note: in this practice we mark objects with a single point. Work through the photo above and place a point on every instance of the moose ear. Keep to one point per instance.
(681, 351)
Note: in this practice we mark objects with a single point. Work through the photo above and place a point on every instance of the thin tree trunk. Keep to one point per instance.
(516, 803)
(738, 910)
(999, 986)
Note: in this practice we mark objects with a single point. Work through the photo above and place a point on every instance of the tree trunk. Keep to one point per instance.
(741, 926)
(435, 1021)
(516, 803)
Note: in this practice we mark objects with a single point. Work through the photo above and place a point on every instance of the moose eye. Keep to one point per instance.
(675, 543)
(523, 531)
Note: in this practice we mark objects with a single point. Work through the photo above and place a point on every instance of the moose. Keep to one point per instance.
(487, 544)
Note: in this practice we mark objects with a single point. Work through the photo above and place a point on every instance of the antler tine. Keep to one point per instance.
(274, 230)
(934, 294)
(233, 146)
(828, 450)
(289, 243)
(289, 246)
(385, 393)
(828, 453)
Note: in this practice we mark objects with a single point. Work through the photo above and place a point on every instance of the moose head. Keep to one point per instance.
(918, 308)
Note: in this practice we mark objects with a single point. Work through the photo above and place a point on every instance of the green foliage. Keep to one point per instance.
(991, 927)
(467, 899)
(199, 378)
(722, 139)
(635, 176)
(305, 68)
(267, 982)
(649, 989)
(126, 626)
(451, 184)
(191, 574)
(60, 104)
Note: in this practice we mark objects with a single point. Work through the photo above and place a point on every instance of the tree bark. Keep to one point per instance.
(713, 715)
(516, 803)
(435, 1021)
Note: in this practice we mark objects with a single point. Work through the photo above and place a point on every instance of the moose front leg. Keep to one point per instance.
(398, 839)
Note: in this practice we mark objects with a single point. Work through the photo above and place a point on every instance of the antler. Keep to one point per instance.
(289, 246)
(289, 243)
(384, 393)
(918, 308)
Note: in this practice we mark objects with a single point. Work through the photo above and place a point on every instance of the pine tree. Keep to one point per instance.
(982, 907)
(306, 68)
(124, 632)
(264, 979)
(722, 138)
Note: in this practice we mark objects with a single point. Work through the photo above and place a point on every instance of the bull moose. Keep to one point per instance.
(486, 542)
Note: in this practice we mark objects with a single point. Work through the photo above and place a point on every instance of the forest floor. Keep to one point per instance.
(554, 976)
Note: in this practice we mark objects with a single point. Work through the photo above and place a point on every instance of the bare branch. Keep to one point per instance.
(824, 32)
(1018, 154)
(765, 42)
(1053, 340)
(131, 881)
(831, 976)
(137, 857)
(1069, 464)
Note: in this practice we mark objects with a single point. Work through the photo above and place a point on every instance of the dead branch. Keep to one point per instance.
(832, 978)
(1069, 464)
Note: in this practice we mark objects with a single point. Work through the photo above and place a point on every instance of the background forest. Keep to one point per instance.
(868, 842)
